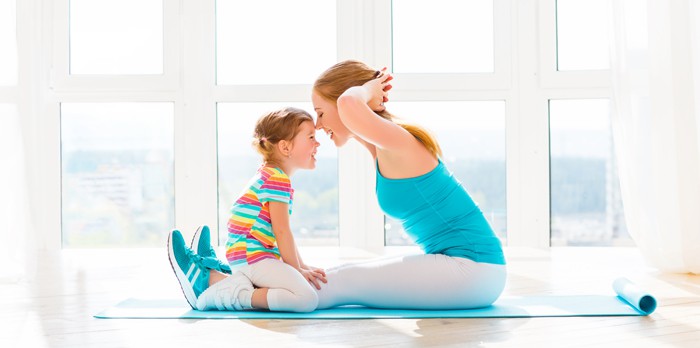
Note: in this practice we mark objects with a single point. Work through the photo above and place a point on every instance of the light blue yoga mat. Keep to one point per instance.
(631, 301)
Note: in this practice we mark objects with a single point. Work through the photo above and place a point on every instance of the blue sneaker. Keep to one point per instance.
(191, 270)
(201, 244)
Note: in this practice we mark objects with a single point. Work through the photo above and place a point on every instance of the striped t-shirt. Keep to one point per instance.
(250, 237)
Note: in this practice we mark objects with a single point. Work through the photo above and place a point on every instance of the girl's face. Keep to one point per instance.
(329, 121)
(303, 150)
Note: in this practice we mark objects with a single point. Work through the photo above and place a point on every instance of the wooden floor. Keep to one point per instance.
(57, 308)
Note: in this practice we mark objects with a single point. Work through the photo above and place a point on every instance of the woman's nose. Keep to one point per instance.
(319, 125)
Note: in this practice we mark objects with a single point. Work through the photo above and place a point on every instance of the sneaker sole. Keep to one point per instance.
(195, 240)
(181, 278)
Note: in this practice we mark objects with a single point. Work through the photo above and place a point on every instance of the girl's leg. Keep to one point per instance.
(258, 299)
(216, 276)
(226, 292)
(287, 289)
(431, 281)
(279, 288)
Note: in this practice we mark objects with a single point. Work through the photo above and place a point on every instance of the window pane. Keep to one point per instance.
(274, 41)
(8, 43)
(111, 37)
(582, 34)
(442, 36)
(314, 219)
(586, 205)
(117, 174)
(472, 137)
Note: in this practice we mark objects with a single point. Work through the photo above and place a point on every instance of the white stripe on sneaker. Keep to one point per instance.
(192, 267)
(196, 274)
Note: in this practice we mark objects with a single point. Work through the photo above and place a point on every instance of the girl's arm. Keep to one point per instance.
(301, 262)
(310, 268)
(279, 216)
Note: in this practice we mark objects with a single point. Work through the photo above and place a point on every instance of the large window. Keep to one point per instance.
(146, 125)
(117, 174)
(585, 203)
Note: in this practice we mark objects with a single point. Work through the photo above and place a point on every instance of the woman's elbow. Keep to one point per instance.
(349, 99)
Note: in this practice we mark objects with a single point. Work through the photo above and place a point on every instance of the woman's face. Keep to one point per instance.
(329, 121)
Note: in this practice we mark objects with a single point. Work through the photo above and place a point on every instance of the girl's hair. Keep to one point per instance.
(275, 126)
(349, 73)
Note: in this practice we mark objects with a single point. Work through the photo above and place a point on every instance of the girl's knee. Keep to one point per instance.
(307, 301)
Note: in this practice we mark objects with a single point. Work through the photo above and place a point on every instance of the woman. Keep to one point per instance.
(463, 265)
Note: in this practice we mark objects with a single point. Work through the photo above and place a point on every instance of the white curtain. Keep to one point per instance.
(14, 212)
(655, 64)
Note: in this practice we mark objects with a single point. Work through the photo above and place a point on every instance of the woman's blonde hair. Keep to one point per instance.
(349, 73)
(276, 126)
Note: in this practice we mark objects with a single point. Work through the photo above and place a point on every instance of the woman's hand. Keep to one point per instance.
(313, 276)
(378, 90)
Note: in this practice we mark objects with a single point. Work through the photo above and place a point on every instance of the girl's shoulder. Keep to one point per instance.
(266, 172)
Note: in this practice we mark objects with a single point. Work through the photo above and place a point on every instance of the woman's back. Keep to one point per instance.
(439, 215)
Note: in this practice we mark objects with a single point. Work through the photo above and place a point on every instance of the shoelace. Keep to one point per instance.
(218, 265)
(210, 262)
(203, 264)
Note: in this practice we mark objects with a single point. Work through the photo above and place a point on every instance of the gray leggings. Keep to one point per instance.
(427, 281)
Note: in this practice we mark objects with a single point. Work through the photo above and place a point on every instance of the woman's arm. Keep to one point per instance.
(356, 110)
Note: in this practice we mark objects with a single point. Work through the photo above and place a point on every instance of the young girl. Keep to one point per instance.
(267, 270)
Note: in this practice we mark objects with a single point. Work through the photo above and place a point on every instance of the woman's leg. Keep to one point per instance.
(287, 289)
(431, 281)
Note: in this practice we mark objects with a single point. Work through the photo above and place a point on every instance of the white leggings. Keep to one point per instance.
(426, 281)
(288, 289)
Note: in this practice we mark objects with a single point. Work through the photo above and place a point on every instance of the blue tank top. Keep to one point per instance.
(436, 211)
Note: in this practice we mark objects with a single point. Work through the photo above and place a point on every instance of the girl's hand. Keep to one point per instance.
(313, 276)
(312, 268)
(378, 90)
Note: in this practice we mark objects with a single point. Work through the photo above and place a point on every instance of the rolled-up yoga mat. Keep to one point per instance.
(635, 296)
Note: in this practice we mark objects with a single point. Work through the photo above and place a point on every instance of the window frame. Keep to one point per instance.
(525, 78)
